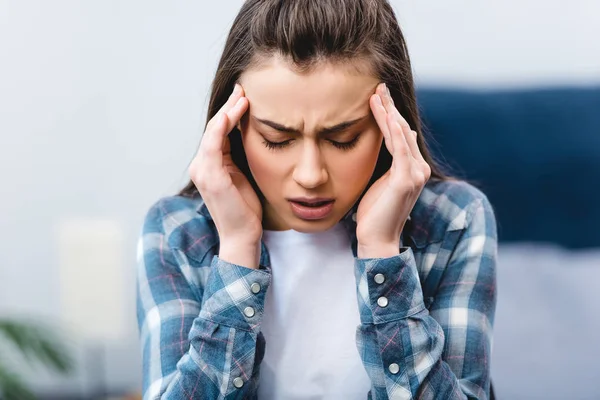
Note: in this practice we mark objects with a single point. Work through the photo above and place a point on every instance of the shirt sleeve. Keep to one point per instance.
(411, 352)
(197, 344)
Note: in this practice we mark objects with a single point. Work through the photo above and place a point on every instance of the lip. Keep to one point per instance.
(311, 200)
(311, 213)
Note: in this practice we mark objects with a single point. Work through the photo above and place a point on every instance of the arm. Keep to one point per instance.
(196, 345)
(410, 352)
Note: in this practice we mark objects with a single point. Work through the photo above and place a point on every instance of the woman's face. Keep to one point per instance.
(291, 111)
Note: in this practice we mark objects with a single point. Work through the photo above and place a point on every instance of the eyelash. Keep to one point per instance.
(342, 146)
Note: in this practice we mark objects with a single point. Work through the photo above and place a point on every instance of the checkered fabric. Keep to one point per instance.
(425, 332)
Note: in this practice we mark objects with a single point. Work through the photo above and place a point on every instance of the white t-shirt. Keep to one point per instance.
(310, 319)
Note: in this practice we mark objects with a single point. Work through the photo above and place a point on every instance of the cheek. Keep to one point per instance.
(264, 166)
(360, 163)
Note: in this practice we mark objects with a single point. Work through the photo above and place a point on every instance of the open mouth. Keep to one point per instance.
(312, 211)
(317, 204)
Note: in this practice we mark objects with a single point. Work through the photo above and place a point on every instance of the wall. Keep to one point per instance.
(102, 104)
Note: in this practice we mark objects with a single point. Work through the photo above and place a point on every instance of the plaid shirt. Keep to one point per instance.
(200, 317)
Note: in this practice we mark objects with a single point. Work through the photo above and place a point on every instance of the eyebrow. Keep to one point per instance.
(323, 131)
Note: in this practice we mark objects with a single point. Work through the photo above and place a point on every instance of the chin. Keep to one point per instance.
(285, 219)
(304, 226)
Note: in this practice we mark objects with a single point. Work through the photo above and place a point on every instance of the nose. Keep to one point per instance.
(310, 171)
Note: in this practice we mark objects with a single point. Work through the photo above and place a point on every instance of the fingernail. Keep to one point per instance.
(389, 95)
(236, 89)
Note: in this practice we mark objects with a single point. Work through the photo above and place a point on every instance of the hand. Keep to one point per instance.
(383, 210)
(229, 196)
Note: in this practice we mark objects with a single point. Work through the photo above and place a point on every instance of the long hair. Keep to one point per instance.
(308, 32)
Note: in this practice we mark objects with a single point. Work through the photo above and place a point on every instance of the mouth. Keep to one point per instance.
(311, 209)
(314, 204)
(311, 201)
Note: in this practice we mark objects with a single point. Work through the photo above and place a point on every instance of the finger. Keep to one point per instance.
(205, 161)
(390, 107)
(388, 102)
(233, 118)
(399, 148)
(229, 104)
(209, 157)
(405, 126)
(402, 155)
(414, 147)
(216, 135)
(236, 113)
(393, 110)
(425, 167)
(406, 142)
(411, 139)
(381, 118)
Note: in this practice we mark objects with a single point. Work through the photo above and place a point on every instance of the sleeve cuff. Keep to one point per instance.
(388, 289)
(235, 295)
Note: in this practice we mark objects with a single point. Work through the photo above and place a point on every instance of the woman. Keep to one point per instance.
(318, 250)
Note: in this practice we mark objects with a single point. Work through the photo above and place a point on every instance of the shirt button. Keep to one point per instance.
(255, 288)
(382, 301)
(238, 382)
(354, 217)
(394, 369)
(249, 312)
(379, 278)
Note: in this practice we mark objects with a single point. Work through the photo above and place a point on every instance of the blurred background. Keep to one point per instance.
(102, 106)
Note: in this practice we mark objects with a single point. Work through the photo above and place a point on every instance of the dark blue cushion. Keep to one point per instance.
(535, 153)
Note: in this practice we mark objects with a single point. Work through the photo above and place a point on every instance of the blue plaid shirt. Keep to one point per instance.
(432, 340)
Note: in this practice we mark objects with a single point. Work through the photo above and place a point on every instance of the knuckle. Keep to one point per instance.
(421, 179)
(201, 185)
(195, 167)
(427, 171)
(418, 179)
(207, 188)
(198, 176)
(402, 122)
(192, 170)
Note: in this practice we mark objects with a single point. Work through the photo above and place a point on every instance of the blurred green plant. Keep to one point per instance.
(37, 345)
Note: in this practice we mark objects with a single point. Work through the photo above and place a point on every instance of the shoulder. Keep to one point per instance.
(182, 224)
(169, 212)
(444, 206)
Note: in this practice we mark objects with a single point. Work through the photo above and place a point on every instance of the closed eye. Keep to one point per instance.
(340, 145)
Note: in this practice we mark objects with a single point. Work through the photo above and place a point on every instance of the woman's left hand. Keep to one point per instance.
(385, 207)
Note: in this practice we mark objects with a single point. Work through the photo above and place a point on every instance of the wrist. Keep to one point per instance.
(379, 250)
(243, 254)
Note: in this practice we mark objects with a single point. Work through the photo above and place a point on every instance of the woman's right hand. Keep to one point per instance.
(227, 193)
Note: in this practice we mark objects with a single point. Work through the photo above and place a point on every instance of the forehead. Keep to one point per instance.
(327, 94)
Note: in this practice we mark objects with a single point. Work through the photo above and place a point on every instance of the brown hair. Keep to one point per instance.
(308, 32)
